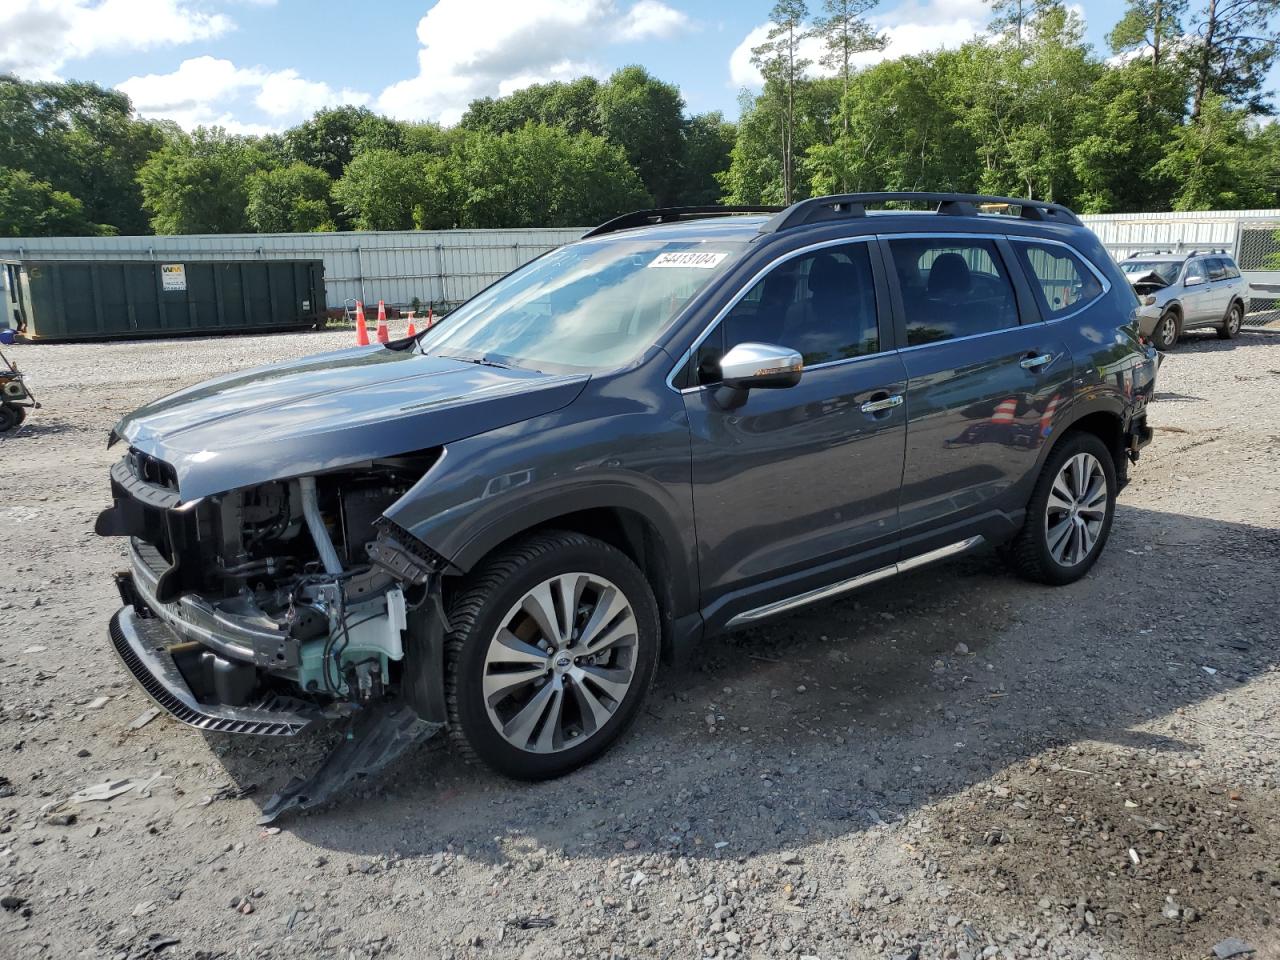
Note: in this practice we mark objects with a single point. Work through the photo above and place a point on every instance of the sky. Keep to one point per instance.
(256, 66)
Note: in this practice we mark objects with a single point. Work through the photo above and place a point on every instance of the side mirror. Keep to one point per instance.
(1194, 280)
(765, 366)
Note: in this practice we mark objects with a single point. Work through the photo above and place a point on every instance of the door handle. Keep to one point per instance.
(885, 403)
(1036, 362)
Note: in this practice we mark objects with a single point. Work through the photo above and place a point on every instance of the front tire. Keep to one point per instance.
(552, 649)
(1070, 513)
(1230, 328)
(1166, 331)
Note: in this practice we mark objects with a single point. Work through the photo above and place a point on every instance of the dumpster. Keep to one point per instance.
(94, 300)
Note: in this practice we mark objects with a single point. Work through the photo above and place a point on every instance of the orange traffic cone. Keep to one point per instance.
(412, 331)
(382, 334)
(431, 319)
(362, 328)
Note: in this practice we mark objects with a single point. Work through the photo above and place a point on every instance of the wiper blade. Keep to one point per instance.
(480, 361)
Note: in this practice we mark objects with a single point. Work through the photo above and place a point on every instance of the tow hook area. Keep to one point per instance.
(376, 737)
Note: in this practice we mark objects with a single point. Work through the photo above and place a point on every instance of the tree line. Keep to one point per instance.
(1175, 117)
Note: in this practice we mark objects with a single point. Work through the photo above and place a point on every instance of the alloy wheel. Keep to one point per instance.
(1234, 319)
(561, 663)
(1076, 510)
(1168, 328)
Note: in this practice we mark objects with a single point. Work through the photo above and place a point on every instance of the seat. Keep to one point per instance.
(837, 317)
(949, 277)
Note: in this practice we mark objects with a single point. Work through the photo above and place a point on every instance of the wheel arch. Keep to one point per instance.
(628, 524)
(1105, 423)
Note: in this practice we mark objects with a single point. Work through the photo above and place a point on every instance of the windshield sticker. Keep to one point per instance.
(689, 258)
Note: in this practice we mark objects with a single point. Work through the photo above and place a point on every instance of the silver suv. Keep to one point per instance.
(1180, 291)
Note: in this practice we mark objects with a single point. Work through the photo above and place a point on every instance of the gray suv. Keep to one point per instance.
(690, 421)
(1182, 291)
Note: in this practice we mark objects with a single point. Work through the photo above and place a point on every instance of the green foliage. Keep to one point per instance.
(1149, 28)
(543, 176)
(82, 140)
(381, 189)
(783, 67)
(646, 118)
(1214, 161)
(1234, 45)
(32, 208)
(198, 183)
(332, 138)
(292, 199)
(1122, 132)
(905, 131)
(1030, 110)
(708, 146)
(845, 32)
(573, 106)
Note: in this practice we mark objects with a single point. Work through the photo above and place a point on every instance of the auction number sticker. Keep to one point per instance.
(689, 258)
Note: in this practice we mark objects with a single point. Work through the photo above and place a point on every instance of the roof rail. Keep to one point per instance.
(641, 218)
(818, 209)
(1202, 253)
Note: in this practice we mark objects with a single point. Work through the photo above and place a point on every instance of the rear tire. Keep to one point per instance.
(1167, 330)
(1069, 515)
(552, 649)
(1230, 328)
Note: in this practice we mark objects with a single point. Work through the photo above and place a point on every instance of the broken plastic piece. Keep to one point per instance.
(376, 737)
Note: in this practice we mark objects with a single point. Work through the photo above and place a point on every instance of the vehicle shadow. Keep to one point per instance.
(1206, 340)
(851, 713)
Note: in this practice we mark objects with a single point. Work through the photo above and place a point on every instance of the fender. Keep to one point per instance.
(630, 452)
(529, 511)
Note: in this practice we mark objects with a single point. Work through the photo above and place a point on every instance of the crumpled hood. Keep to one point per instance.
(305, 416)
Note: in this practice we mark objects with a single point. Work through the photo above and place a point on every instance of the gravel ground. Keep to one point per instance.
(955, 764)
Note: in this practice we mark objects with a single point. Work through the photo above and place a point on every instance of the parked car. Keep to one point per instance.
(688, 422)
(1183, 291)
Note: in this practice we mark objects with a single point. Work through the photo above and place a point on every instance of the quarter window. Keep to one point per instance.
(1063, 284)
(821, 304)
(952, 288)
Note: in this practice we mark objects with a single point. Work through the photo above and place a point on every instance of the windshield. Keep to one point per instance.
(1166, 270)
(587, 306)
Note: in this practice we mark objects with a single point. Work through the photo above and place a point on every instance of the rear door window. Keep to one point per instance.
(952, 287)
(1061, 282)
(1217, 268)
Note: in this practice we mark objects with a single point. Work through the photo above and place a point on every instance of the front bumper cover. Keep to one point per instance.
(145, 646)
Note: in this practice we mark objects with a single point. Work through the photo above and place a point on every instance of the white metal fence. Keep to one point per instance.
(441, 267)
(445, 267)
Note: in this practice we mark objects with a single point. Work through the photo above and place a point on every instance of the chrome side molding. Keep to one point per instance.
(853, 583)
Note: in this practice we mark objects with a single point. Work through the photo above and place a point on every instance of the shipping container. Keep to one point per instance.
(92, 300)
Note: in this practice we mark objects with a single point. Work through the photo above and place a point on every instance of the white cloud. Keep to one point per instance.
(203, 91)
(478, 48)
(37, 37)
(286, 94)
(912, 28)
(651, 18)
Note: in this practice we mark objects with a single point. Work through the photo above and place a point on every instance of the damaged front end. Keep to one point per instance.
(266, 609)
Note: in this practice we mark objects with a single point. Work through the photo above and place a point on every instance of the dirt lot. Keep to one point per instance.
(955, 764)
